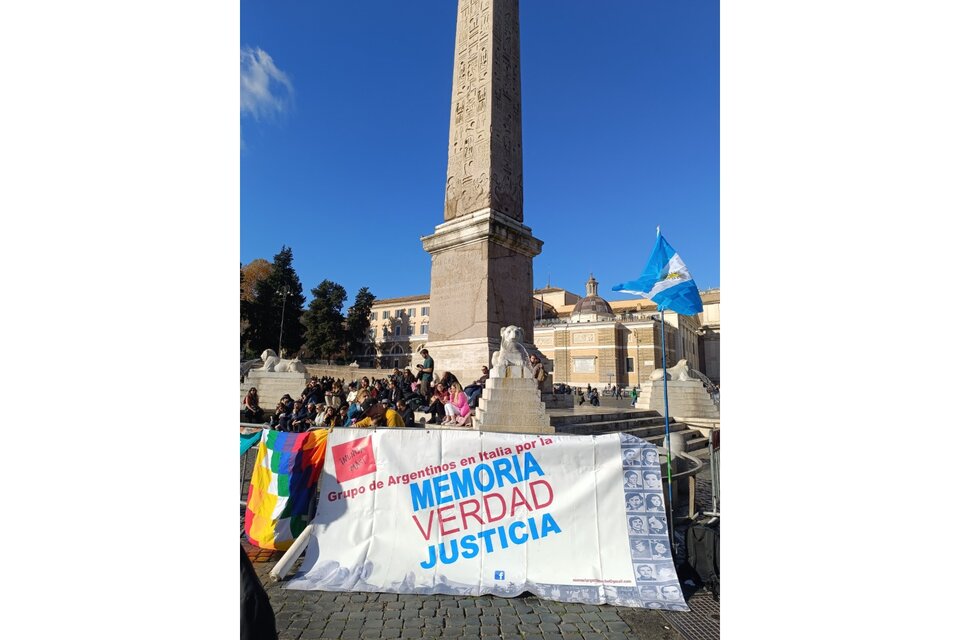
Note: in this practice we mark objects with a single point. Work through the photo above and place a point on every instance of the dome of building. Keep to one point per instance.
(592, 307)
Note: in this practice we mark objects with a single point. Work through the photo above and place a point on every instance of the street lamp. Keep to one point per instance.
(285, 292)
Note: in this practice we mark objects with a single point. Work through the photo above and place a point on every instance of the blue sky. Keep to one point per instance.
(345, 119)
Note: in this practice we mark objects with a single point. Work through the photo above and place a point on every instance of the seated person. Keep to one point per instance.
(352, 394)
(287, 402)
(329, 417)
(394, 395)
(298, 421)
(406, 413)
(378, 415)
(336, 396)
(252, 412)
(475, 389)
(538, 371)
(280, 417)
(316, 394)
(439, 398)
(457, 407)
(355, 407)
(309, 389)
(409, 381)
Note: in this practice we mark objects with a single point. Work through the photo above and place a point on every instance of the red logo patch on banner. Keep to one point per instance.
(354, 459)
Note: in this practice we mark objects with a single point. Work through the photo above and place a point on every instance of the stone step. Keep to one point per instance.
(511, 403)
(694, 440)
(650, 425)
(511, 383)
(672, 390)
(689, 409)
(646, 402)
(519, 394)
(512, 418)
(518, 428)
(701, 454)
(615, 427)
(579, 418)
(562, 401)
(693, 410)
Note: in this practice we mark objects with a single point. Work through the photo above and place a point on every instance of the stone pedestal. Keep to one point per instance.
(559, 401)
(271, 386)
(688, 399)
(462, 358)
(512, 403)
(481, 279)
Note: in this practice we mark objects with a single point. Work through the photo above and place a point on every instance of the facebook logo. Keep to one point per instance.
(498, 575)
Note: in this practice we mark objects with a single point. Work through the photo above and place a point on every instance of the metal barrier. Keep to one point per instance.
(694, 466)
(714, 473)
(247, 427)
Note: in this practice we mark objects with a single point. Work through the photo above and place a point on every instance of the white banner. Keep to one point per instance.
(568, 518)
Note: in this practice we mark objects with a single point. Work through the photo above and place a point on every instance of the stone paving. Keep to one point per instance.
(321, 615)
(315, 615)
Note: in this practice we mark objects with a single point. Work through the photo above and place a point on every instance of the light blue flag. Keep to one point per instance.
(666, 281)
(247, 440)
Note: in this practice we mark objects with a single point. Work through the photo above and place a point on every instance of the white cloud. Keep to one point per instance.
(265, 90)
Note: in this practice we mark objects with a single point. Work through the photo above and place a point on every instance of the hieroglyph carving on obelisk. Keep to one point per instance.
(485, 156)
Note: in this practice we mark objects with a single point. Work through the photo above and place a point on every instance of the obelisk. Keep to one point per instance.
(481, 276)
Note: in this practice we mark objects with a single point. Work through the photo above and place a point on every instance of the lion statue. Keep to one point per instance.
(679, 371)
(271, 362)
(511, 351)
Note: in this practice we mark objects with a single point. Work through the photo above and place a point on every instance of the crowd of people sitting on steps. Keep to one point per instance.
(389, 401)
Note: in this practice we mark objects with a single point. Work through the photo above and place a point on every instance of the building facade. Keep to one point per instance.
(587, 339)
(398, 329)
(596, 342)
(710, 334)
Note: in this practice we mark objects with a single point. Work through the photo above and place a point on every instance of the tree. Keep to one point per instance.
(270, 308)
(250, 275)
(358, 320)
(243, 313)
(324, 320)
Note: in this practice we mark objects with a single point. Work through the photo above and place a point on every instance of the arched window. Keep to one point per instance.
(396, 353)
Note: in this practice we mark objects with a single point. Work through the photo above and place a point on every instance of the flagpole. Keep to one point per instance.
(664, 271)
(666, 422)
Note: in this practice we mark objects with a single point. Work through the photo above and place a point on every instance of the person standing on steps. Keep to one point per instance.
(426, 374)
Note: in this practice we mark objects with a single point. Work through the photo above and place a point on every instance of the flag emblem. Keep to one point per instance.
(667, 281)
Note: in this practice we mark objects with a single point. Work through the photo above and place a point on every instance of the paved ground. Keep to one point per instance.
(320, 614)
(314, 615)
